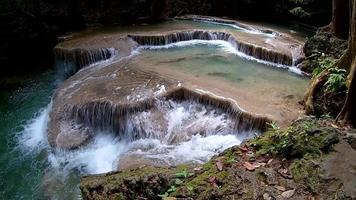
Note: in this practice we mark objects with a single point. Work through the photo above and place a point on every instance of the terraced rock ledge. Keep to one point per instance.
(112, 90)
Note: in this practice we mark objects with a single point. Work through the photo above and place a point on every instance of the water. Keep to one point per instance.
(218, 60)
(23, 158)
(30, 169)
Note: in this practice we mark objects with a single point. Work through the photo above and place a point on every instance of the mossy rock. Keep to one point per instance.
(304, 136)
(145, 182)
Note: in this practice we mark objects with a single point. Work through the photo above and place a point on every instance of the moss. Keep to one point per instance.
(305, 136)
(132, 184)
(306, 170)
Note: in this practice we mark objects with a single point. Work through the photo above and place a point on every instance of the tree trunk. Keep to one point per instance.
(159, 10)
(348, 112)
(340, 21)
(347, 62)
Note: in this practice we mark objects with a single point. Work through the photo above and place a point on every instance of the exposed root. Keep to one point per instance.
(315, 86)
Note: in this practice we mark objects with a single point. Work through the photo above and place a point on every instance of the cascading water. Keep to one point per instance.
(168, 130)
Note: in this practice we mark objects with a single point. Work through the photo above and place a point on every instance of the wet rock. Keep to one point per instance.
(341, 165)
(132, 161)
(351, 139)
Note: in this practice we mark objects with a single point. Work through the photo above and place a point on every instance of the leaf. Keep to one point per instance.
(213, 181)
(178, 182)
(163, 195)
(182, 174)
(172, 189)
(243, 149)
(198, 169)
(252, 167)
(190, 188)
(219, 166)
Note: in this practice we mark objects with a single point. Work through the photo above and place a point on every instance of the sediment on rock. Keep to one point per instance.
(83, 57)
(246, 48)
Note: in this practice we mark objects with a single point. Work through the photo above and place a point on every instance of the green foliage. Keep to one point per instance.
(183, 174)
(178, 181)
(323, 64)
(274, 126)
(164, 195)
(303, 137)
(336, 80)
(181, 177)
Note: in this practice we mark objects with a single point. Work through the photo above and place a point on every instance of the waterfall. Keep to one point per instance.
(226, 22)
(83, 57)
(246, 48)
(149, 118)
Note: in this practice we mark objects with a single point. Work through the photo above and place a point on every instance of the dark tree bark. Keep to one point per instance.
(340, 19)
(347, 62)
(159, 10)
(340, 23)
(348, 112)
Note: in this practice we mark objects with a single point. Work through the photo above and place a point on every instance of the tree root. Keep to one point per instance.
(315, 86)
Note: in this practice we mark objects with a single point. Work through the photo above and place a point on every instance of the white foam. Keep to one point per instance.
(34, 135)
(235, 26)
(198, 149)
(162, 89)
(98, 157)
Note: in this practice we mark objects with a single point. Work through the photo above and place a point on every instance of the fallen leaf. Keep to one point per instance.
(280, 188)
(169, 198)
(250, 166)
(219, 166)
(198, 169)
(212, 180)
(243, 149)
(288, 194)
(335, 126)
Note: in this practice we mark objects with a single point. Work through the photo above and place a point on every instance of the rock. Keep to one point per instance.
(266, 196)
(133, 161)
(280, 188)
(288, 194)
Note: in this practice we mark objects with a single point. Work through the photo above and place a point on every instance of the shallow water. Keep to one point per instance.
(217, 60)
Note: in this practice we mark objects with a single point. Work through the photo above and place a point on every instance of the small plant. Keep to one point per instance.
(274, 126)
(323, 63)
(336, 80)
(183, 174)
(180, 178)
(190, 188)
